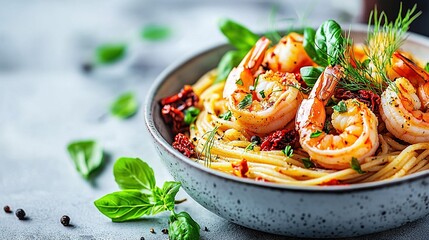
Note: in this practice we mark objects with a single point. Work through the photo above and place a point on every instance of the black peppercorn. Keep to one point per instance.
(65, 220)
(152, 230)
(20, 214)
(206, 229)
(87, 67)
(142, 238)
(7, 209)
(165, 231)
(255, 139)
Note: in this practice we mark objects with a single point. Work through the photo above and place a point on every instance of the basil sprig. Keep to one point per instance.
(141, 197)
(242, 39)
(310, 74)
(87, 156)
(125, 106)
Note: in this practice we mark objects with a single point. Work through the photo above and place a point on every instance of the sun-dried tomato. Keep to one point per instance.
(240, 168)
(279, 139)
(184, 145)
(371, 99)
(174, 106)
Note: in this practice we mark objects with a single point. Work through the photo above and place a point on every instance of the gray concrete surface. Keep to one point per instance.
(46, 102)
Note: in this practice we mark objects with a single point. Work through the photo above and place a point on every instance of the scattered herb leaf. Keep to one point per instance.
(288, 151)
(246, 102)
(316, 134)
(227, 63)
(110, 52)
(87, 156)
(340, 107)
(154, 32)
(124, 106)
(251, 146)
(239, 82)
(238, 35)
(226, 116)
(355, 165)
(191, 114)
(307, 162)
(310, 74)
(262, 93)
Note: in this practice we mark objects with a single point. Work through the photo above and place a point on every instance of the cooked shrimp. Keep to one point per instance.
(288, 55)
(356, 126)
(404, 104)
(263, 103)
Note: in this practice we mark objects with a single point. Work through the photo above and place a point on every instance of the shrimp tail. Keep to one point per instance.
(404, 67)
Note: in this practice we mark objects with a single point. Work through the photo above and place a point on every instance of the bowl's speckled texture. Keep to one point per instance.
(331, 211)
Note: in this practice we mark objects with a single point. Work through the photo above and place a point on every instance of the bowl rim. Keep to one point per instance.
(171, 69)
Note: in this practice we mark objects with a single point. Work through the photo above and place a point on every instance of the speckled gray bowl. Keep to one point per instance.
(329, 211)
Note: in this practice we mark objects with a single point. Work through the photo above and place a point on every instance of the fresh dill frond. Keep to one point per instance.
(383, 39)
(208, 145)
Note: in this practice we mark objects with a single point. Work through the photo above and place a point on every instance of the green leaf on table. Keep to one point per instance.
(87, 156)
(154, 32)
(110, 52)
(163, 198)
(125, 106)
(238, 35)
(134, 173)
(310, 74)
(124, 205)
(183, 227)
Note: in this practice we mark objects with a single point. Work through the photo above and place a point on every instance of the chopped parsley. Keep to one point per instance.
(239, 82)
(251, 146)
(262, 93)
(315, 134)
(355, 165)
(246, 102)
(340, 107)
(226, 116)
(288, 151)
(307, 163)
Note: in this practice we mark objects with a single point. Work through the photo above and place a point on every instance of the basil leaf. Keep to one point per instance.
(315, 134)
(246, 102)
(307, 162)
(124, 205)
(191, 114)
(288, 151)
(308, 44)
(164, 198)
(87, 156)
(183, 227)
(124, 106)
(355, 165)
(227, 63)
(110, 53)
(340, 107)
(155, 32)
(238, 35)
(134, 173)
(310, 74)
(329, 41)
(226, 116)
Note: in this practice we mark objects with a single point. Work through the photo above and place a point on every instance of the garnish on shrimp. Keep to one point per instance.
(262, 103)
(354, 122)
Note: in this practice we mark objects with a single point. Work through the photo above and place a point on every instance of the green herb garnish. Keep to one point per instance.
(226, 116)
(110, 53)
(251, 146)
(191, 114)
(310, 74)
(124, 106)
(355, 165)
(87, 156)
(340, 107)
(315, 134)
(227, 63)
(262, 93)
(134, 175)
(155, 32)
(307, 162)
(427, 67)
(239, 82)
(246, 102)
(288, 151)
(208, 145)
